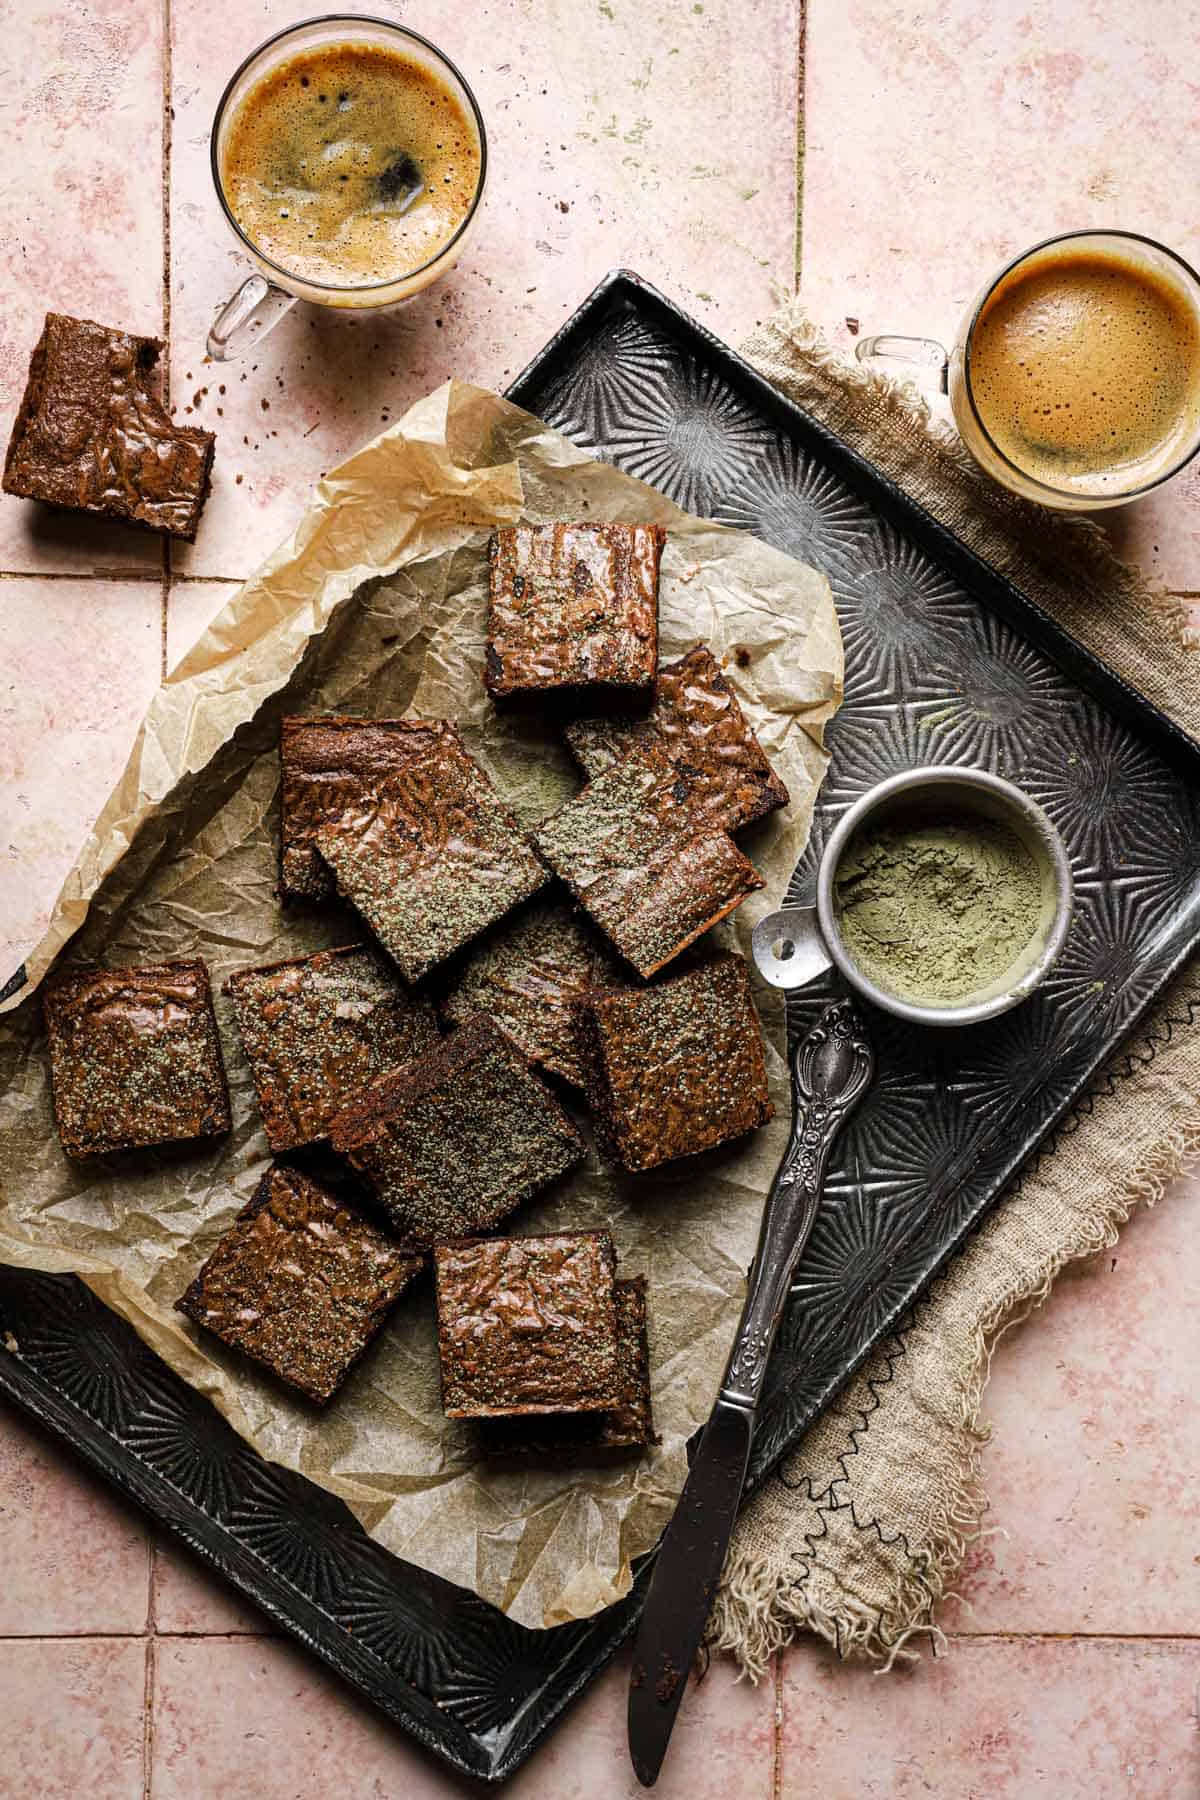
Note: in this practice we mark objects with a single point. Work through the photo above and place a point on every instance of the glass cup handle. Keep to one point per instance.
(247, 316)
(924, 354)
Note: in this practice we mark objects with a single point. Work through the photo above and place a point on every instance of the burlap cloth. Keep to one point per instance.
(860, 1533)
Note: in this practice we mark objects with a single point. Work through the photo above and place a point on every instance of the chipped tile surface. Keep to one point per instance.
(76, 1561)
(1091, 1719)
(617, 135)
(940, 141)
(189, 1600)
(296, 1733)
(60, 176)
(72, 1718)
(80, 665)
(1091, 1470)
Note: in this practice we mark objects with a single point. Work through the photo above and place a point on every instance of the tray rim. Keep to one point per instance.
(303, 1619)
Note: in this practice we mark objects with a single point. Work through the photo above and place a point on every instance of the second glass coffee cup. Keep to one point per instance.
(269, 293)
(1116, 478)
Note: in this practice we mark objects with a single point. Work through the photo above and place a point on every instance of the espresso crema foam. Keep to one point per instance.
(1085, 371)
(350, 164)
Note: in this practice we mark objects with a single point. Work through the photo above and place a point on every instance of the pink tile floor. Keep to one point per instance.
(935, 138)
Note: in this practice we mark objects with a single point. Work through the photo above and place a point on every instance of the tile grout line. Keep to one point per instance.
(151, 1671)
(798, 209)
(167, 75)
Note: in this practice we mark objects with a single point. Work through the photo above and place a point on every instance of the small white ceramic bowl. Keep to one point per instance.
(793, 946)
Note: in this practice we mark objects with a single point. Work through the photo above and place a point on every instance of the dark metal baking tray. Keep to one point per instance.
(946, 661)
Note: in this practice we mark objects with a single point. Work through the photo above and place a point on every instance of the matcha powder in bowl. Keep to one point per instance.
(937, 908)
(944, 895)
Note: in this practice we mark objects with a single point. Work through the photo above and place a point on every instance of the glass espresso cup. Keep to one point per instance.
(1075, 376)
(273, 289)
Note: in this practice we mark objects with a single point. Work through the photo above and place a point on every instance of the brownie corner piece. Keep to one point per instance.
(528, 976)
(317, 1028)
(528, 1325)
(652, 876)
(572, 1437)
(423, 845)
(135, 1058)
(697, 721)
(300, 1283)
(677, 1068)
(573, 609)
(454, 1143)
(91, 435)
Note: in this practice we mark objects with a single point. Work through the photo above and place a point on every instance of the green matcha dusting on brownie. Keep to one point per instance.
(317, 1028)
(457, 1141)
(651, 877)
(528, 977)
(678, 1067)
(135, 1058)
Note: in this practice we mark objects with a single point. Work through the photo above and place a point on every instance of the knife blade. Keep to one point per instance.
(831, 1069)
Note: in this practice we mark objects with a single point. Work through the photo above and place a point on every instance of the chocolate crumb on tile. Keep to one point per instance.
(458, 1140)
(528, 976)
(300, 1283)
(315, 1029)
(528, 1325)
(550, 1437)
(651, 876)
(420, 843)
(676, 1068)
(92, 436)
(697, 721)
(573, 608)
(135, 1058)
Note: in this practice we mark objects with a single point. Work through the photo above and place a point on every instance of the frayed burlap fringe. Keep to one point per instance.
(860, 1534)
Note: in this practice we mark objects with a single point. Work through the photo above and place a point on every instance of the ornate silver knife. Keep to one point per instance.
(831, 1070)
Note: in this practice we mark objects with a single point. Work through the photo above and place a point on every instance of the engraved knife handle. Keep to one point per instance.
(831, 1068)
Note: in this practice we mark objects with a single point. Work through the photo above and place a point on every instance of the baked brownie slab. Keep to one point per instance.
(677, 1068)
(90, 434)
(455, 1142)
(697, 721)
(418, 839)
(135, 1058)
(528, 1325)
(330, 768)
(573, 607)
(528, 977)
(300, 1283)
(650, 876)
(629, 1426)
(318, 1028)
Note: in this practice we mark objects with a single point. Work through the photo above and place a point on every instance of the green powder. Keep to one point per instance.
(933, 909)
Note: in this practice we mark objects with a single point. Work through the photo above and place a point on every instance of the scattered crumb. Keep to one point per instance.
(852, 327)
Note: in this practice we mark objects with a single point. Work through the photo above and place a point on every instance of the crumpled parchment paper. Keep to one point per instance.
(376, 605)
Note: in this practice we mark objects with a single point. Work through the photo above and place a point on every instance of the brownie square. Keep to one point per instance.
(697, 721)
(416, 836)
(91, 435)
(575, 1436)
(650, 876)
(300, 1283)
(455, 1142)
(573, 608)
(317, 1028)
(331, 767)
(677, 1068)
(528, 977)
(528, 1325)
(135, 1058)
